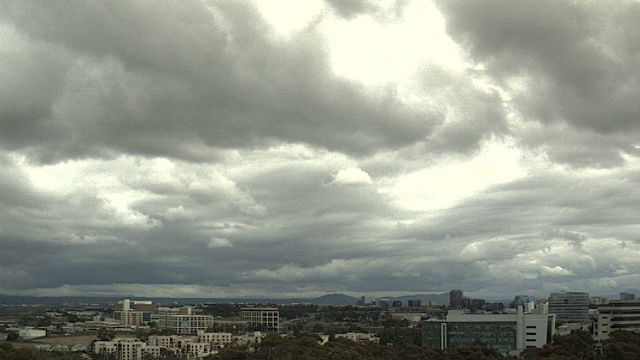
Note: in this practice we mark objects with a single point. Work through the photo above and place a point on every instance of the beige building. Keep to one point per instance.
(218, 339)
(187, 347)
(125, 348)
(616, 315)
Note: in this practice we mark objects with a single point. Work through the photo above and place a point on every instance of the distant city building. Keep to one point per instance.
(473, 304)
(396, 303)
(162, 317)
(519, 300)
(133, 312)
(264, 318)
(494, 307)
(190, 324)
(627, 296)
(216, 338)
(177, 346)
(125, 349)
(508, 333)
(384, 303)
(31, 333)
(617, 315)
(598, 300)
(570, 307)
(413, 303)
(359, 337)
(455, 299)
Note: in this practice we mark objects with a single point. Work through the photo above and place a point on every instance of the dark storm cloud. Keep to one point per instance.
(147, 77)
(577, 60)
(179, 149)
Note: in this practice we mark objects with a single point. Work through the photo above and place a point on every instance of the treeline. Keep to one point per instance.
(8, 352)
(576, 346)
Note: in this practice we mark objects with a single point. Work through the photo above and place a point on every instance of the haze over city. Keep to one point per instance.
(290, 149)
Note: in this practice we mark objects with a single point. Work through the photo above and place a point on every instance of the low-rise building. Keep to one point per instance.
(190, 324)
(616, 315)
(31, 333)
(218, 339)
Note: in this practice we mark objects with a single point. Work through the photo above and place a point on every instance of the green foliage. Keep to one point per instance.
(401, 336)
(307, 347)
(8, 352)
(105, 334)
(576, 346)
(622, 345)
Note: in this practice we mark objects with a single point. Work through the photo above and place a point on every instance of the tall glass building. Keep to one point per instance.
(570, 307)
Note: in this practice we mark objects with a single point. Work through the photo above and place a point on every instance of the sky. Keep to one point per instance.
(297, 148)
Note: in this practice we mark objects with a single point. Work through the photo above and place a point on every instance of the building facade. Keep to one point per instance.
(261, 317)
(190, 324)
(507, 333)
(455, 299)
(134, 312)
(570, 307)
(616, 315)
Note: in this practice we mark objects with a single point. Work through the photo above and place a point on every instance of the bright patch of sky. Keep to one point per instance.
(453, 179)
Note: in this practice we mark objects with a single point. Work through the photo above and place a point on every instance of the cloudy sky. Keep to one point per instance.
(297, 148)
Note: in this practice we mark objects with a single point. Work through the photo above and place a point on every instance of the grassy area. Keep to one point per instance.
(20, 344)
(66, 340)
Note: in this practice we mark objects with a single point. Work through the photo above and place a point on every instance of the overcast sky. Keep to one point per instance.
(297, 148)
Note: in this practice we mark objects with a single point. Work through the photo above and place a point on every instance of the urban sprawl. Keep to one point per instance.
(134, 329)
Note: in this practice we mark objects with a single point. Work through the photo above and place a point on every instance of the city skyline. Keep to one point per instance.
(295, 149)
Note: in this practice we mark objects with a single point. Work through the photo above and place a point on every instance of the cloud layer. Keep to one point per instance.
(197, 149)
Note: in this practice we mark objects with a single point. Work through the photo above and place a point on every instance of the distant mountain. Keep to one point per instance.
(334, 299)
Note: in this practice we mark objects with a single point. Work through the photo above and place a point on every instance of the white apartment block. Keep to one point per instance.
(187, 347)
(616, 315)
(125, 349)
(216, 338)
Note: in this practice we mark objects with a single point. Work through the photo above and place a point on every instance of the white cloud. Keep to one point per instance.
(452, 179)
(352, 176)
(216, 242)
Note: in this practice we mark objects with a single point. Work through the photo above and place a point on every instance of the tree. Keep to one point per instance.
(106, 334)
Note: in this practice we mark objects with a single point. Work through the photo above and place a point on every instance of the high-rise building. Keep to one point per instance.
(570, 307)
(455, 299)
(507, 333)
(627, 296)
